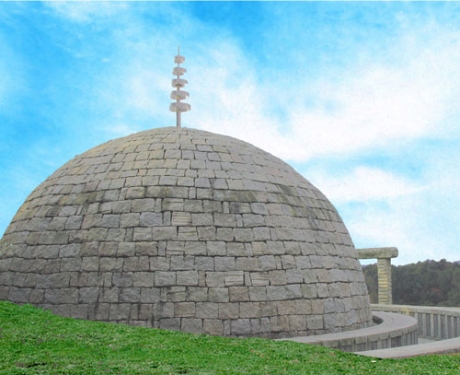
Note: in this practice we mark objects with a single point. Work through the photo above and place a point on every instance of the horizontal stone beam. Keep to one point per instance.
(378, 253)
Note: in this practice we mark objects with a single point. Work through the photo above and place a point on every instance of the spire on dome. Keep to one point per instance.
(179, 94)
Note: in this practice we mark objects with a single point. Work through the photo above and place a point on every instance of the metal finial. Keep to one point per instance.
(178, 94)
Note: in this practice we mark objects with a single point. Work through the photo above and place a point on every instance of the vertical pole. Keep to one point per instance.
(384, 281)
(179, 94)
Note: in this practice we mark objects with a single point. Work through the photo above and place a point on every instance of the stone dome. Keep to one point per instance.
(188, 230)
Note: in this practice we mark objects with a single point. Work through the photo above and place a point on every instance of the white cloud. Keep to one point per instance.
(364, 184)
(376, 104)
(86, 10)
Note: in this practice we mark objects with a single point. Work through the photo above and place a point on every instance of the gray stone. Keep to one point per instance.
(182, 229)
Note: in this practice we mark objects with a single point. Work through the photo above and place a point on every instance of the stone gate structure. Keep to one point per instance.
(184, 229)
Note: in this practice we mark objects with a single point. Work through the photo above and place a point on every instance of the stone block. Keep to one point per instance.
(215, 279)
(79, 311)
(288, 262)
(247, 264)
(241, 327)
(170, 323)
(130, 294)
(297, 323)
(108, 249)
(110, 264)
(293, 291)
(71, 250)
(87, 249)
(143, 234)
(260, 326)
(150, 295)
(109, 295)
(61, 296)
(207, 310)
(88, 295)
(243, 234)
(225, 234)
(258, 293)
(97, 234)
(229, 311)
(187, 278)
(202, 219)
(110, 221)
(184, 309)
(216, 248)
(122, 279)
(159, 264)
(147, 311)
(236, 249)
(277, 277)
(173, 204)
(56, 280)
(322, 290)
(287, 308)
(317, 307)
(294, 276)
(192, 325)
(213, 327)
(37, 296)
(146, 248)
(195, 248)
(267, 262)
(126, 249)
(18, 295)
(62, 310)
(276, 293)
(279, 323)
(204, 263)
(165, 278)
(238, 294)
(119, 311)
(224, 263)
(90, 264)
(250, 310)
(224, 220)
(187, 234)
(218, 295)
(234, 278)
(130, 264)
(207, 233)
(303, 307)
(70, 264)
(163, 233)
(129, 220)
(181, 219)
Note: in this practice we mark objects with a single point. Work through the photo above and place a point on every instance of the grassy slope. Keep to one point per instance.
(33, 341)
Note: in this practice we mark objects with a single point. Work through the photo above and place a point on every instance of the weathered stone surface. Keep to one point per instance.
(187, 230)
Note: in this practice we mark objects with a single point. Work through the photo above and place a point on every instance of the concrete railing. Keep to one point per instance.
(435, 323)
(393, 330)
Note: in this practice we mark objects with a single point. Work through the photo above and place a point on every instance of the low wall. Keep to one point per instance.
(394, 330)
(435, 323)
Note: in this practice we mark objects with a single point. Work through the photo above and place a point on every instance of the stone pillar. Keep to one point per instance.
(383, 256)
(384, 277)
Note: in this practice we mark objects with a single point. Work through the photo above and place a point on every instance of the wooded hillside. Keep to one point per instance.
(428, 283)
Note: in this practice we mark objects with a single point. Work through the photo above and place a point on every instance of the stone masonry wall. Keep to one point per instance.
(186, 230)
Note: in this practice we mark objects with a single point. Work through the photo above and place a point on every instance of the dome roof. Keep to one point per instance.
(184, 229)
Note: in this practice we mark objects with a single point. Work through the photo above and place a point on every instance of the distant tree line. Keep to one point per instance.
(428, 283)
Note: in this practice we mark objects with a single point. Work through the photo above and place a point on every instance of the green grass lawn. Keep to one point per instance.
(33, 341)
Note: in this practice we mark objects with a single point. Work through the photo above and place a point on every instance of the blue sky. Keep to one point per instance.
(362, 98)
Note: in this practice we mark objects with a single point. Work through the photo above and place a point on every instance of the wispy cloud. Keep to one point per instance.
(329, 87)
